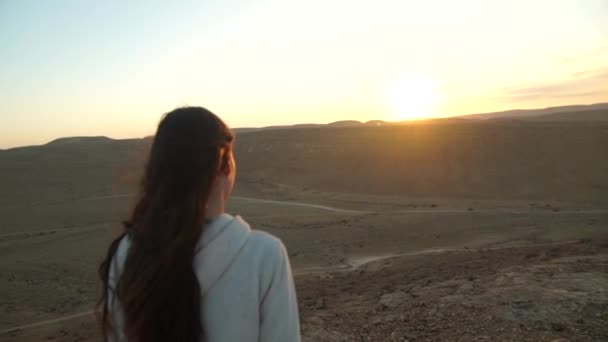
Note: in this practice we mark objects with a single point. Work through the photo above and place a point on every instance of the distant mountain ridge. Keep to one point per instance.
(80, 139)
(573, 113)
(341, 123)
(596, 115)
(597, 112)
(529, 113)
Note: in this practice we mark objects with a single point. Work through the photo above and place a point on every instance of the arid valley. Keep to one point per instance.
(441, 230)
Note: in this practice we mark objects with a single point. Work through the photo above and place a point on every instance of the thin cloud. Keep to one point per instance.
(567, 60)
(602, 75)
(600, 51)
(582, 73)
(583, 83)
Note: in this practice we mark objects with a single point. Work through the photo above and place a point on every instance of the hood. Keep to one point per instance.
(219, 245)
(217, 248)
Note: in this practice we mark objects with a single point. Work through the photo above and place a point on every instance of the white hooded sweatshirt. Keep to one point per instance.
(247, 290)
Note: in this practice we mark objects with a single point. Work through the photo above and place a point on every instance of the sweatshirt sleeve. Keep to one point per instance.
(116, 318)
(113, 304)
(279, 320)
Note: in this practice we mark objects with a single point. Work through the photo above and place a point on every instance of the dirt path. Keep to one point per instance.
(406, 210)
(355, 263)
(301, 204)
(248, 199)
(45, 322)
(33, 233)
(238, 198)
(513, 211)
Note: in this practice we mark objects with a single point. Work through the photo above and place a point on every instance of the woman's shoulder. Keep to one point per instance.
(264, 243)
(268, 253)
(264, 239)
(258, 237)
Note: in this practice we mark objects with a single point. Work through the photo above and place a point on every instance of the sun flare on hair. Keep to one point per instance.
(413, 97)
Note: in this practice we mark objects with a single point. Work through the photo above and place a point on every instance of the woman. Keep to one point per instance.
(183, 270)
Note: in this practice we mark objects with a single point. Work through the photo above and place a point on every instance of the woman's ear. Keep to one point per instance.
(225, 164)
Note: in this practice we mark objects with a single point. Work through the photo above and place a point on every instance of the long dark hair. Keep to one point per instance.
(158, 289)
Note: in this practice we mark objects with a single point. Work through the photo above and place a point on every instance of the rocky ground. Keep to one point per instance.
(550, 293)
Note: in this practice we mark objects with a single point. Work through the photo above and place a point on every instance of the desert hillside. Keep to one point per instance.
(458, 160)
(452, 159)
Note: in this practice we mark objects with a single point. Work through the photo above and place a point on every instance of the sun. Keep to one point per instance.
(413, 97)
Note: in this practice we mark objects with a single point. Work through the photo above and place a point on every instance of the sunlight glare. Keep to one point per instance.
(413, 97)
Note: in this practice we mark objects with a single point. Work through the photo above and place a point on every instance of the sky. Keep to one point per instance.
(78, 68)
